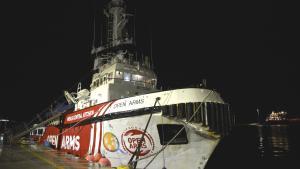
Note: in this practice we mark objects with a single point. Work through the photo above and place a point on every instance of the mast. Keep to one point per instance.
(117, 19)
(118, 40)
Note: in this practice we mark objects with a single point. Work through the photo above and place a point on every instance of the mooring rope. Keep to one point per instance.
(173, 138)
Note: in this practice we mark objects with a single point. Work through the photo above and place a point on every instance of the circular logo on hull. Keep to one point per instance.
(131, 138)
(110, 142)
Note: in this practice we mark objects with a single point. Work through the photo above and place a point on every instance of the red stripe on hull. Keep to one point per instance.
(76, 140)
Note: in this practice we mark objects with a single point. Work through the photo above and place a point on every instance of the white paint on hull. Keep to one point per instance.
(193, 155)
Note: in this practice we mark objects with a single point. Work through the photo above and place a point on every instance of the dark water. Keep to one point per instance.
(259, 147)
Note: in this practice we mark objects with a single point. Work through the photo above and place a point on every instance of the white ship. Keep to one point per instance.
(124, 119)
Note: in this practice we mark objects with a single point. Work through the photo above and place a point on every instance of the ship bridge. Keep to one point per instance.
(120, 79)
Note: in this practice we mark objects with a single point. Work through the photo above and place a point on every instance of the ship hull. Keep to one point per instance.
(115, 130)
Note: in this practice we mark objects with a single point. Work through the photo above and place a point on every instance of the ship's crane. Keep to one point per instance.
(70, 98)
(82, 94)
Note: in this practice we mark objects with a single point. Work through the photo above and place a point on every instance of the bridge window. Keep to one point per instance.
(105, 79)
(110, 76)
(119, 75)
(137, 78)
(97, 82)
(127, 76)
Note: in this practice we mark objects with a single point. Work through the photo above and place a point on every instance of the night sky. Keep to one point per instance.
(245, 50)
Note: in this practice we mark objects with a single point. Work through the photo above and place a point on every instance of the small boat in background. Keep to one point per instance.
(279, 117)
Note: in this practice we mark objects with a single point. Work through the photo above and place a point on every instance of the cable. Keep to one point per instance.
(173, 138)
(163, 138)
(137, 150)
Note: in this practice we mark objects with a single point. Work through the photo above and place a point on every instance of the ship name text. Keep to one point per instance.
(127, 103)
(70, 142)
(53, 140)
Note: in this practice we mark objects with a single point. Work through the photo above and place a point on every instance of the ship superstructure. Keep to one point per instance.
(118, 71)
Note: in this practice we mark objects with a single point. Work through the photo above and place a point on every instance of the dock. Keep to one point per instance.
(38, 156)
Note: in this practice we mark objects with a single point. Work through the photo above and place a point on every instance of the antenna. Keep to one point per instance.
(134, 39)
(152, 66)
(101, 29)
(100, 35)
(94, 31)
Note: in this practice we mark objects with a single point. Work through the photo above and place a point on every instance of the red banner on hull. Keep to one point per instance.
(76, 140)
(51, 135)
(89, 112)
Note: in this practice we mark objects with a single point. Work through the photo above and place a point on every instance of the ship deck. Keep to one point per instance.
(36, 157)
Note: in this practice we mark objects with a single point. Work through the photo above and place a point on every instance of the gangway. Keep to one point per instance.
(42, 119)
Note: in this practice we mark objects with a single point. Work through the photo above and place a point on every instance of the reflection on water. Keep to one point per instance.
(0, 149)
(273, 140)
(258, 147)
